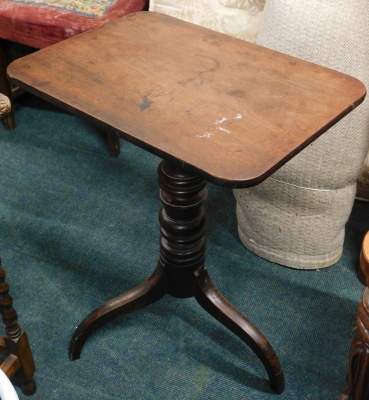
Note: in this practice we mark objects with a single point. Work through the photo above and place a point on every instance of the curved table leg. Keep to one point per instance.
(149, 291)
(209, 297)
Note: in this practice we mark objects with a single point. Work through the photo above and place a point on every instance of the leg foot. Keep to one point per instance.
(221, 309)
(148, 292)
(29, 387)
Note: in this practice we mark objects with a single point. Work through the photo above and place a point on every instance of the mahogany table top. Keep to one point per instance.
(228, 110)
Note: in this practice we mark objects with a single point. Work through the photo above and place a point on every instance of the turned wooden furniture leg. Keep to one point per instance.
(14, 345)
(358, 374)
(181, 272)
(5, 88)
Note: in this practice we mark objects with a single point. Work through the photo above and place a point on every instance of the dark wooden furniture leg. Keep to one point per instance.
(5, 88)
(358, 374)
(113, 144)
(14, 345)
(181, 272)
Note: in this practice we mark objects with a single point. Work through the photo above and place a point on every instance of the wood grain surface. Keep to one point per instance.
(228, 110)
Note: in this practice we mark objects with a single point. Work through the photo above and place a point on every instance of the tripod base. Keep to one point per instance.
(181, 273)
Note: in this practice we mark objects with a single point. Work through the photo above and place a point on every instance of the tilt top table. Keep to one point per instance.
(214, 108)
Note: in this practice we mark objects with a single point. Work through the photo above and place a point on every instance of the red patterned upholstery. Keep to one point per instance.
(39, 26)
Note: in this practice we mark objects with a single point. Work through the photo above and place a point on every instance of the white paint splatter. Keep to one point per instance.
(220, 121)
(207, 134)
(223, 129)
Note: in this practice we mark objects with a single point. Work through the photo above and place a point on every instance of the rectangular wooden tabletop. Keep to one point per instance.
(228, 110)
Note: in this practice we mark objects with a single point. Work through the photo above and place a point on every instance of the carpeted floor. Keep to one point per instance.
(79, 227)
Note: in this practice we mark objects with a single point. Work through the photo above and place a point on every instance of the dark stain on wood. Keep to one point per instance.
(146, 103)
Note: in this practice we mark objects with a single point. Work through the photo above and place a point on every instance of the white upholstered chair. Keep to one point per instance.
(297, 217)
